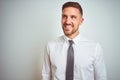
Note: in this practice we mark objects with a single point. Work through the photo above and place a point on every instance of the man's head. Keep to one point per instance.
(71, 18)
(73, 4)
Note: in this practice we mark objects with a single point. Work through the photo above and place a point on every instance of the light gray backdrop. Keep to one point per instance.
(26, 26)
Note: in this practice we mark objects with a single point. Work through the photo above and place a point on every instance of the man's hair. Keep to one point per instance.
(73, 4)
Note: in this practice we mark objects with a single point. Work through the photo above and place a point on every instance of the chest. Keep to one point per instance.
(84, 56)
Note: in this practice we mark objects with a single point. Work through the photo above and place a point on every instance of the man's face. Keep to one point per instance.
(71, 20)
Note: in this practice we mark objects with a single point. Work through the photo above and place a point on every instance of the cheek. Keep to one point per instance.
(78, 23)
(62, 22)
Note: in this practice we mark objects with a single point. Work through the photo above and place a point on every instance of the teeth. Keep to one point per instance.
(68, 26)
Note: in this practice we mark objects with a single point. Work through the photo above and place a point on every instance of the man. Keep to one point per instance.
(72, 57)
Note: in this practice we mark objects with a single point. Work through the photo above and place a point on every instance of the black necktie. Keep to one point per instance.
(70, 62)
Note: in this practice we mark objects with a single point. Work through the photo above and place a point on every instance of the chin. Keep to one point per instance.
(67, 34)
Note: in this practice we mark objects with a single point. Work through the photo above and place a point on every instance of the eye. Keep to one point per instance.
(73, 17)
(64, 16)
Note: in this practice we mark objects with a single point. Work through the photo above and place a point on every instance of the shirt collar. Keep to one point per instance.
(75, 40)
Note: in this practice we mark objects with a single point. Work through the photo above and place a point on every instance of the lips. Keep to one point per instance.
(67, 27)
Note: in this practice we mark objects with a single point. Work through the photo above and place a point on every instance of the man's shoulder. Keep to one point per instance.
(88, 41)
(58, 40)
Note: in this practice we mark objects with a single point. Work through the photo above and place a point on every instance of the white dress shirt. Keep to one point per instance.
(88, 60)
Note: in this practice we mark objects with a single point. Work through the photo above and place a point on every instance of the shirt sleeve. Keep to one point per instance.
(46, 69)
(99, 66)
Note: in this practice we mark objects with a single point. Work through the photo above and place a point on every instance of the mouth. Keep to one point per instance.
(67, 27)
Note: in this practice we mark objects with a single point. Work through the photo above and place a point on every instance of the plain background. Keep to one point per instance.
(26, 26)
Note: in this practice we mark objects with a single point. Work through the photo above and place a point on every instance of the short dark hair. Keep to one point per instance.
(73, 4)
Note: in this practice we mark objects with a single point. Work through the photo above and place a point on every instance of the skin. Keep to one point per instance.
(71, 20)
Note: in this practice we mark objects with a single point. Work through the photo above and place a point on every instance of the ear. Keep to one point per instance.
(81, 21)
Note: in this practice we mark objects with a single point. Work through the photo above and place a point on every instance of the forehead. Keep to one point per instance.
(70, 10)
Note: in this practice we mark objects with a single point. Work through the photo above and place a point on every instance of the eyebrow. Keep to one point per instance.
(70, 15)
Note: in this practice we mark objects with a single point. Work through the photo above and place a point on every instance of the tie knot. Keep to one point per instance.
(71, 42)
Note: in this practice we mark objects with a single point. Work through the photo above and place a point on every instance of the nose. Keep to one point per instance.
(68, 20)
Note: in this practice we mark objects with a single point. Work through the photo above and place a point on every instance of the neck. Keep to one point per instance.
(73, 35)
